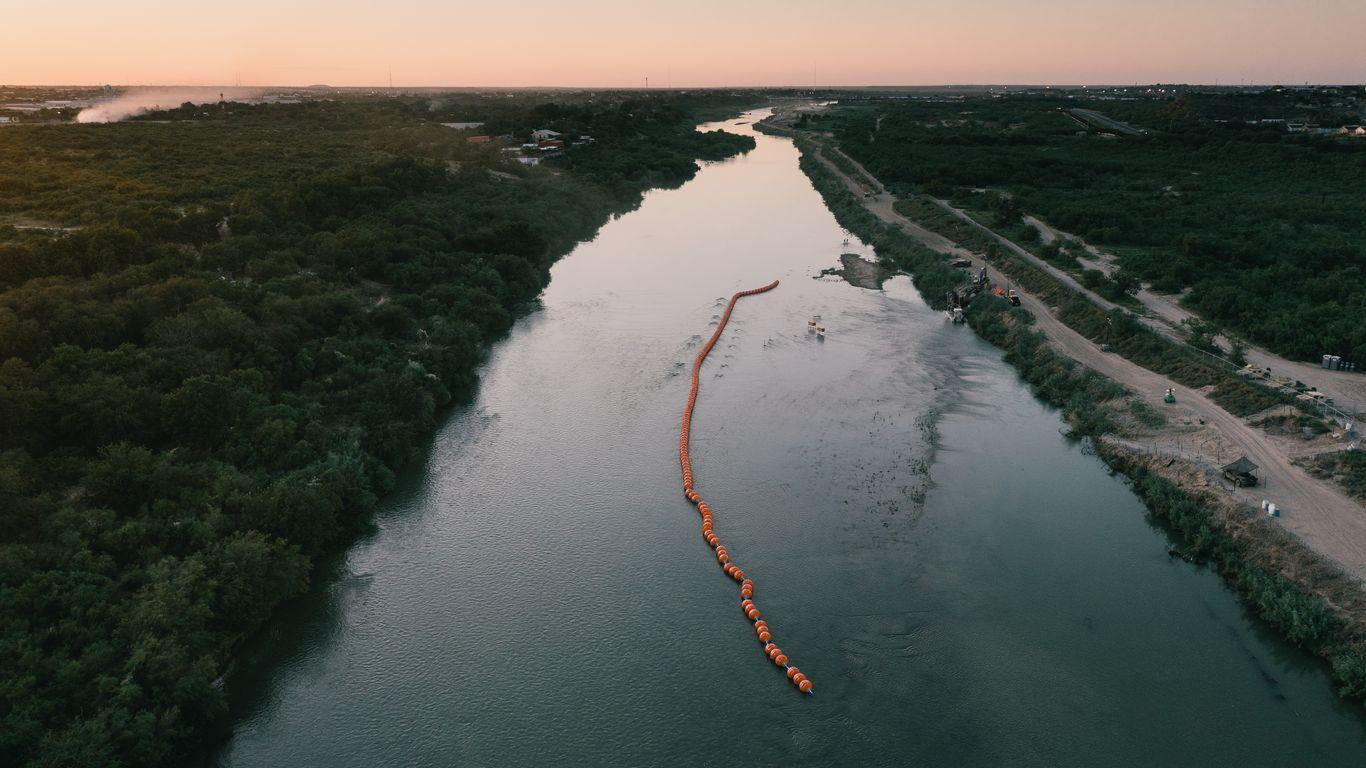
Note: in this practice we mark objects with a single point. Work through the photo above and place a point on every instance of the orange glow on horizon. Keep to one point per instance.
(613, 43)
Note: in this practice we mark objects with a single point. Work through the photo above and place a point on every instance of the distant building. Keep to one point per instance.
(479, 139)
(544, 134)
(545, 144)
(464, 126)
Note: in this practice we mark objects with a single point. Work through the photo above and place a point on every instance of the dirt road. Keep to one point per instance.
(1324, 518)
(880, 202)
(1348, 390)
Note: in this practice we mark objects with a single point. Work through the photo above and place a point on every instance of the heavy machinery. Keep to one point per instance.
(1170, 397)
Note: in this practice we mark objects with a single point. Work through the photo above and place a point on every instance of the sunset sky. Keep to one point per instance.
(680, 43)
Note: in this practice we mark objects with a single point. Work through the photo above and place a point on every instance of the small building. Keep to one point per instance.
(546, 144)
(544, 134)
(464, 126)
(1240, 472)
(479, 139)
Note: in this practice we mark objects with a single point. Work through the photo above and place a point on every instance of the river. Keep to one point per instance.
(964, 585)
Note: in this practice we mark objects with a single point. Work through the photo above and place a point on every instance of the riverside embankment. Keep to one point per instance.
(966, 585)
(1302, 575)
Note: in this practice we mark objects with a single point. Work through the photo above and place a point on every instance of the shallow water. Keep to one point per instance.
(963, 584)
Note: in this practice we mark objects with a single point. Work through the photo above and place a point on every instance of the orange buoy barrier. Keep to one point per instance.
(728, 566)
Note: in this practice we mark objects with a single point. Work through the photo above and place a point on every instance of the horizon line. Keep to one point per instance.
(807, 87)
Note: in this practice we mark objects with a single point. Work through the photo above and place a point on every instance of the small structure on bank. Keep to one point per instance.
(1240, 472)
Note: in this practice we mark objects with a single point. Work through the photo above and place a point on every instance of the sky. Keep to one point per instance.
(680, 43)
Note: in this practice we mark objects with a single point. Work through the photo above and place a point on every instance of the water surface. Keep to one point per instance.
(964, 585)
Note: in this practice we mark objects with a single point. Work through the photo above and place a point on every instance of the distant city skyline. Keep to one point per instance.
(705, 43)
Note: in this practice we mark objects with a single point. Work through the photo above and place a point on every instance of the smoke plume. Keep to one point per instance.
(136, 101)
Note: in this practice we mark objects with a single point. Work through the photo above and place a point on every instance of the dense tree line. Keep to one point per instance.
(232, 327)
(1267, 229)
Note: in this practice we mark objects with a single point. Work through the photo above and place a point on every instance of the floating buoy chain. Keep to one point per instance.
(751, 611)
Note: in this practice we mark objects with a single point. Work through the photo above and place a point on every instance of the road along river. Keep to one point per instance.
(966, 585)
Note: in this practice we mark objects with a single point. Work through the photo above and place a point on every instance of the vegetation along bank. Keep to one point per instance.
(1311, 602)
(223, 329)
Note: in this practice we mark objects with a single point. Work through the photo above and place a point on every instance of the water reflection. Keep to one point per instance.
(965, 586)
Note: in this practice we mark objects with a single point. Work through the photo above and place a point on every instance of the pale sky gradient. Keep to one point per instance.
(680, 43)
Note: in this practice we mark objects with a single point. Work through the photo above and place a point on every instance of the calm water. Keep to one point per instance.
(964, 586)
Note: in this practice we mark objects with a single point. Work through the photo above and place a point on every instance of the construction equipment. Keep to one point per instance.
(1170, 397)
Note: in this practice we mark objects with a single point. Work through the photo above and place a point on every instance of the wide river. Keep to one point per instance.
(964, 585)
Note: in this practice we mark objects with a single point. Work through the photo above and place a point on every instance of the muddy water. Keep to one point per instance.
(964, 585)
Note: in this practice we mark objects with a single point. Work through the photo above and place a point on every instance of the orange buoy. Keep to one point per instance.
(728, 567)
